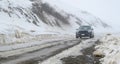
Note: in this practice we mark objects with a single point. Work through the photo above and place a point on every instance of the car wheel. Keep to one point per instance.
(77, 37)
(80, 37)
(91, 36)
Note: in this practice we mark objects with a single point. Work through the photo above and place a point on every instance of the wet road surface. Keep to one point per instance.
(41, 54)
(86, 58)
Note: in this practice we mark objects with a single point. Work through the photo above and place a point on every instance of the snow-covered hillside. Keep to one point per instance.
(23, 19)
(84, 16)
(36, 16)
(31, 17)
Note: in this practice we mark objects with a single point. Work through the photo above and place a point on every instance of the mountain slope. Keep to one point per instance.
(36, 17)
(84, 16)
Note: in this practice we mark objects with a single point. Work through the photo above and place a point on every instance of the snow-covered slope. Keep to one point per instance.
(37, 17)
(31, 17)
(21, 20)
(84, 16)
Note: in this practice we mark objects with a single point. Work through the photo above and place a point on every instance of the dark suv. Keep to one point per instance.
(85, 31)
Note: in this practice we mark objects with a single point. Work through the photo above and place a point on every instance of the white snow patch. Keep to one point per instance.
(21, 3)
(110, 47)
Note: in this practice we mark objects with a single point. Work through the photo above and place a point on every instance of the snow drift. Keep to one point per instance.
(110, 48)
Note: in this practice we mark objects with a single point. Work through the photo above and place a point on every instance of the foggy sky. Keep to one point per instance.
(107, 10)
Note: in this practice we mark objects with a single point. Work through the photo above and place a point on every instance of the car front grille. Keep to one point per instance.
(83, 32)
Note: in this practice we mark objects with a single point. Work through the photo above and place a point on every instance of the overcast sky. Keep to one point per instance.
(107, 10)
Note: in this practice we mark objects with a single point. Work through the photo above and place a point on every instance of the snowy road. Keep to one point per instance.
(63, 48)
(41, 54)
(78, 54)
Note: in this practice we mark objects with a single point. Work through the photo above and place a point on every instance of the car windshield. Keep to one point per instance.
(85, 28)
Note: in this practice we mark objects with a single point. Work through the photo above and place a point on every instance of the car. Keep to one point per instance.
(85, 31)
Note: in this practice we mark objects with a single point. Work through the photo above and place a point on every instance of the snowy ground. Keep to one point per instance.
(110, 47)
(74, 51)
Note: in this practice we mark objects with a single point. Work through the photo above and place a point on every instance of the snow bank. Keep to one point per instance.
(110, 47)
